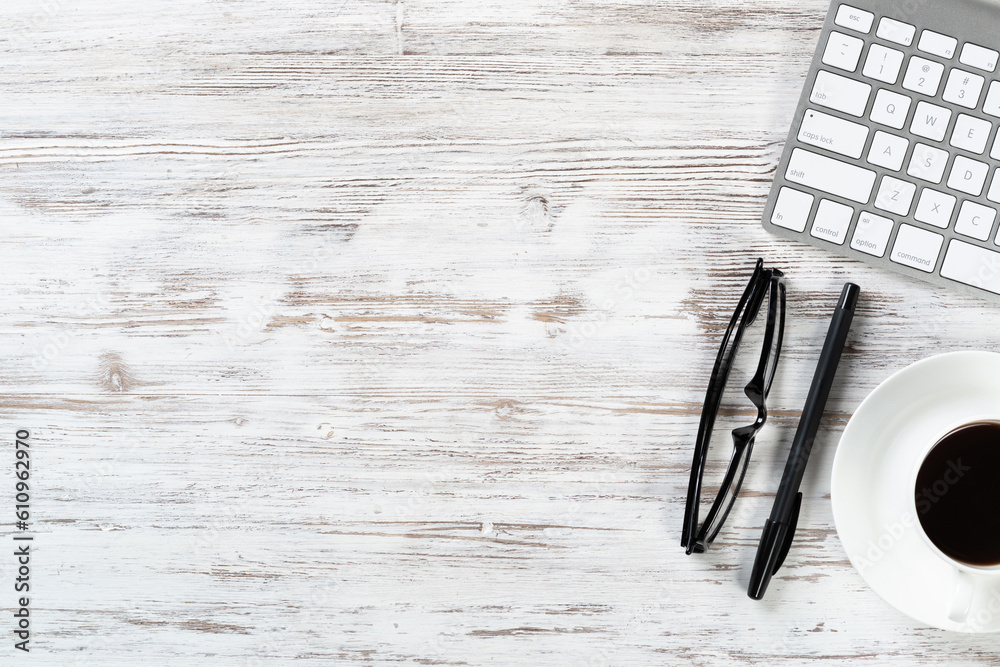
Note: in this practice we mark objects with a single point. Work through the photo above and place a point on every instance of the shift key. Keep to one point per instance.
(829, 175)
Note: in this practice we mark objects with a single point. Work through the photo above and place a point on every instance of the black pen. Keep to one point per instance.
(780, 528)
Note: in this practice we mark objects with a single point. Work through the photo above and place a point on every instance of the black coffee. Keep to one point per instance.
(958, 494)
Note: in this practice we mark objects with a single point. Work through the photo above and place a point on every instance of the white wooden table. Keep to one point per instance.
(376, 333)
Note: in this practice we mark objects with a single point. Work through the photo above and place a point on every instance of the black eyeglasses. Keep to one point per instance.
(764, 284)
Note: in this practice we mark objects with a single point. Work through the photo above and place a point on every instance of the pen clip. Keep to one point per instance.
(793, 521)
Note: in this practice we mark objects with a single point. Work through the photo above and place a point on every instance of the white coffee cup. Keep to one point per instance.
(873, 487)
(967, 577)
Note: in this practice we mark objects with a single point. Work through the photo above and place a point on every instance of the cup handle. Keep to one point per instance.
(961, 597)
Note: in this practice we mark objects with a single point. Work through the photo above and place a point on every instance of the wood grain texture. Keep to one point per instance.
(375, 333)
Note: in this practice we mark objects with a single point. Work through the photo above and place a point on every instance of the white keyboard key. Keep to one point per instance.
(895, 195)
(855, 19)
(979, 57)
(930, 121)
(888, 151)
(972, 265)
(843, 51)
(832, 221)
(883, 64)
(995, 151)
(923, 76)
(916, 248)
(938, 44)
(992, 103)
(927, 163)
(828, 175)
(892, 30)
(791, 210)
(872, 234)
(963, 88)
(975, 220)
(968, 176)
(891, 108)
(994, 192)
(840, 93)
(935, 208)
(835, 134)
(971, 133)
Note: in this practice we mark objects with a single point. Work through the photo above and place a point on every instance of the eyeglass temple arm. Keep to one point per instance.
(713, 397)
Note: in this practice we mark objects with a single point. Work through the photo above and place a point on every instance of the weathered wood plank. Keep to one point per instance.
(376, 333)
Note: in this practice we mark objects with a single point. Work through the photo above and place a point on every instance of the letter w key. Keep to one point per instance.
(930, 121)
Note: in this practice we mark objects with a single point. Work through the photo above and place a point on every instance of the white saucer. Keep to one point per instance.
(876, 457)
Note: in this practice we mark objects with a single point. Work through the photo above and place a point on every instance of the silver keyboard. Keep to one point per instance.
(893, 152)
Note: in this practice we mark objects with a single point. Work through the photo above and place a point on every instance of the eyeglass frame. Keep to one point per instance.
(763, 282)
